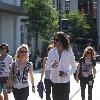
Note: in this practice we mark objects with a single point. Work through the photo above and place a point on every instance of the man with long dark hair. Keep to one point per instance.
(62, 62)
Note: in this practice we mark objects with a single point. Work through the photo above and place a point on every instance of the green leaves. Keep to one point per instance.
(77, 24)
(43, 18)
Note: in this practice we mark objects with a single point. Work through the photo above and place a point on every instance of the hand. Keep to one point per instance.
(63, 74)
(33, 89)
(94, 76)
(77, 79)
(40, 80)
(54, 64)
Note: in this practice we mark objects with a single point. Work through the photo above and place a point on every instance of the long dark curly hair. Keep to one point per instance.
(63, 38)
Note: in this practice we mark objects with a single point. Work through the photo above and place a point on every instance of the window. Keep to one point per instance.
(94, 6)
(21, 2)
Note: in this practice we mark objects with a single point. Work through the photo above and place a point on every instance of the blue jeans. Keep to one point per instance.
(21, 94)
(3, 87)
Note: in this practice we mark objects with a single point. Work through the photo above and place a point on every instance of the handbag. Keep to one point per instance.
(40, 89)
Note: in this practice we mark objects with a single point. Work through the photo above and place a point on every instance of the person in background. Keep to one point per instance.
(21, 68)
(37, 58)
(47, 80)
(61, 61)
(86, 71)
(5, 62)
(30, 52)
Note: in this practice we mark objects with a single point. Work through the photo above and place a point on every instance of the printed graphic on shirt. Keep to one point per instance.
(20, 76)
(86, 69)
(2, 68)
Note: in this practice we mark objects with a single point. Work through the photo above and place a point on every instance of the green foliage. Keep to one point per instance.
(78, 26)
(43, 18)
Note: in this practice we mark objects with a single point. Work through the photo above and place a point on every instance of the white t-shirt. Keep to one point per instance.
(4, 66)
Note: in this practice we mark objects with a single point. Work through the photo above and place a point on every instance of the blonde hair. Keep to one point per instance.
(89, 48)
(19, 48)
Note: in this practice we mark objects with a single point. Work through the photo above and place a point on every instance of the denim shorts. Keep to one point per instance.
(3, 87)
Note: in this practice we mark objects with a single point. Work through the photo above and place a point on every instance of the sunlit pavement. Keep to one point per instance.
(74, 88)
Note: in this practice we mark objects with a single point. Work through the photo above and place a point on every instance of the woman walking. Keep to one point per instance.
(21, 68)
(47, 72)
(61, 61)
(86, 71)
(5, 62)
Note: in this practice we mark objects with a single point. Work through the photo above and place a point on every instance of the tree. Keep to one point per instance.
(42, 17)
(78, 26)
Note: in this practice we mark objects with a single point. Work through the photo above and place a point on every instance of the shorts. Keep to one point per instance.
(3, 87)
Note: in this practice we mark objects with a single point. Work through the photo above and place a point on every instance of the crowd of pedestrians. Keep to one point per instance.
(58, 64)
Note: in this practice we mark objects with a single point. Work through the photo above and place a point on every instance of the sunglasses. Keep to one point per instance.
(23, 52)
(89, 53)
(3, 48)
(57, 40)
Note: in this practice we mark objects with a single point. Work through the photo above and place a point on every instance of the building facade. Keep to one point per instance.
(13, 26)
(90, 7)
(10, 12)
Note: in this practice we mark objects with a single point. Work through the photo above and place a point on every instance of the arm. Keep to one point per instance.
(77, 73)
(10, 65)
(94, 69)
(10, 62)
(32, 78)
(49, 61)
(73, 63)
(43, 68)
(94, 72)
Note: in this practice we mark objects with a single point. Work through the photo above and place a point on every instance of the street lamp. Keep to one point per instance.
(67, 6)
